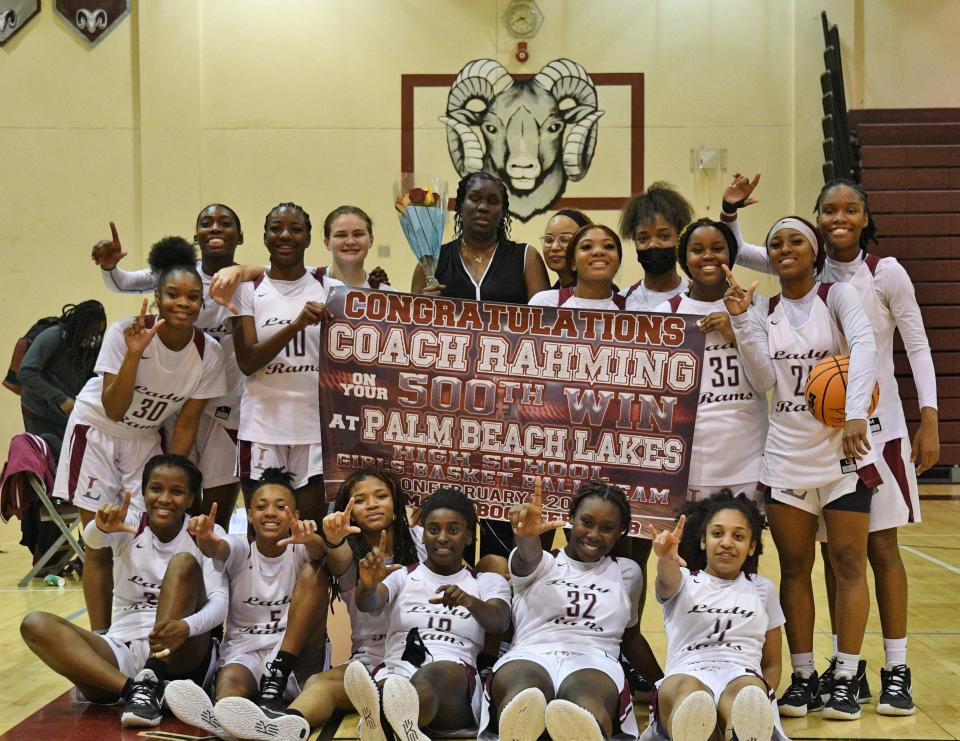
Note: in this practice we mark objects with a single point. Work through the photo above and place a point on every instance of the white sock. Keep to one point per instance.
(802, 664)
(833, 638)
(894, 652)
(847, 665)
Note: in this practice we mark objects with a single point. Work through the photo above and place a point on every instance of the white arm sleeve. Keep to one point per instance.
(119, 280)
(750, 328)
(753, 256)
(214, 611)
(96, 538)
(896, 289)
(844, 304)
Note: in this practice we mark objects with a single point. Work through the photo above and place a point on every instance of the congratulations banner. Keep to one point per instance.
(486, 397)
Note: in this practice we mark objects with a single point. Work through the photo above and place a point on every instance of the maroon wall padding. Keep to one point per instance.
(911, 170)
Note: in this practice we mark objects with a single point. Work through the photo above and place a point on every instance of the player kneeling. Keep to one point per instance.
(166, 599)
(286, 553)
(723, 626)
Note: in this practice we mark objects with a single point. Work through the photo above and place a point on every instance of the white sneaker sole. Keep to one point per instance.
(244, 719)
(830, 713)
(884, 709)
(365, 696)
(568, 722)
(130, 720)
(695, 719)
(401, 705)
(192, 705)
(752, 715)
(523, 718)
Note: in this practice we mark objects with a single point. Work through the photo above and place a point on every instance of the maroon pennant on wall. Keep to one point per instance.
(14, 15)
(93, 19)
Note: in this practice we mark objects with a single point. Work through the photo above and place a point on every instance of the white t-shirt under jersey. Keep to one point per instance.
(139, 565)
(782, 344)
(731, 424)
(281, 401)
(576, 605)
(889, 300)
(166, 380)
(724, 620)
(552, 298)
(449, 634)
(214, 319)
(261, 589)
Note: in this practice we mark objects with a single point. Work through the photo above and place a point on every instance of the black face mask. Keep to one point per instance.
(658, 260)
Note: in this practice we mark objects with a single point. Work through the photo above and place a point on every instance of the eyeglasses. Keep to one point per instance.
(563, 240)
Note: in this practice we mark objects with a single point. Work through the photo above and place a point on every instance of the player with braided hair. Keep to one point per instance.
(887, 294)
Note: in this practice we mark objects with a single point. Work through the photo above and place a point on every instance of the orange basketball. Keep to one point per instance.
(826, 391)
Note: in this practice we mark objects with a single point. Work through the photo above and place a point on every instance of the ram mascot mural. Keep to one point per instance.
(533, 134)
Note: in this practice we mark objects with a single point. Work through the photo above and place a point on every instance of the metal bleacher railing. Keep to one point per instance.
(841, 149)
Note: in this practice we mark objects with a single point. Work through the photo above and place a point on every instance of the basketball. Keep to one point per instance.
(826, 391)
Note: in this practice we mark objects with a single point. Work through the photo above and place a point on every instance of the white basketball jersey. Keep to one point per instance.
(731, 425)
(368, 282)
(214, 319)
(888, 421)
(261, 589)
(569, 603)
(281, 401)
(449, 634)
(640, 298)
(166, 380)
(802, 452)
(566, 298)
(368, 631)
(139, 564)
(713, 619)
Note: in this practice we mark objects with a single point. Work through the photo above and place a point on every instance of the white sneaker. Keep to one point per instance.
(568, 722)
(365, 696)
(523, 718)
(695, 719)
(192, 705)
(752, 715)
(401, 705)
(245, 719)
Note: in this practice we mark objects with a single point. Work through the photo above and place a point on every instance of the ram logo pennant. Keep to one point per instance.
(14, 15)
(93, 19)
(534, 134)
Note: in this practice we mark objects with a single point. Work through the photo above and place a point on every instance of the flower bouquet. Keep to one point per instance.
(421, 204)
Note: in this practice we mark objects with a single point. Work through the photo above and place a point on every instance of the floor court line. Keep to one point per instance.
(931, 559)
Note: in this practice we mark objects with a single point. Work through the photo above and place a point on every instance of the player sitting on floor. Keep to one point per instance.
(370, 503)
(262, 577)
(571, 611)
(438, 612)
(723, 627)
(166, 599)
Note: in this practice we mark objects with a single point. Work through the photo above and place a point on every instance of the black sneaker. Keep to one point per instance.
(801, 697)
(637, 682)
(896, 697)
(272, 685)
(145, 702)
(842, 704)
(863, 686)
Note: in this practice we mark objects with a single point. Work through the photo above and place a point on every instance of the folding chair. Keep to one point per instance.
(65, 517)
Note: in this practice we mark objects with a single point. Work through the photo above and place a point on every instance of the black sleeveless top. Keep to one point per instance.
(503, 282)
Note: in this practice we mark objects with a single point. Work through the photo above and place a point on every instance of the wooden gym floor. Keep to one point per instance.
(33, 703)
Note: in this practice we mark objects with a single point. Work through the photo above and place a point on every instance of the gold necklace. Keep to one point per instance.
(473, 255)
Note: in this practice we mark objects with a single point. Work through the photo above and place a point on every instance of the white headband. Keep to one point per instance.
(791, 222)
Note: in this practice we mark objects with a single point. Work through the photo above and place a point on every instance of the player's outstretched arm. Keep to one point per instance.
(666, 547)
(336, 528)
(304, 532)
(371, 594)
(771, 661)
(210, 544)
(493, 615)
(528, 525)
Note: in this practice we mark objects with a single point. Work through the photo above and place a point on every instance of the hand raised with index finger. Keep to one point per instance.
(336, 525)
(736, 299)
(527, 519)
(667, 543)
(107, 252)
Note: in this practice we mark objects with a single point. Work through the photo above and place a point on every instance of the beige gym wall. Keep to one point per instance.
(251, 102)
